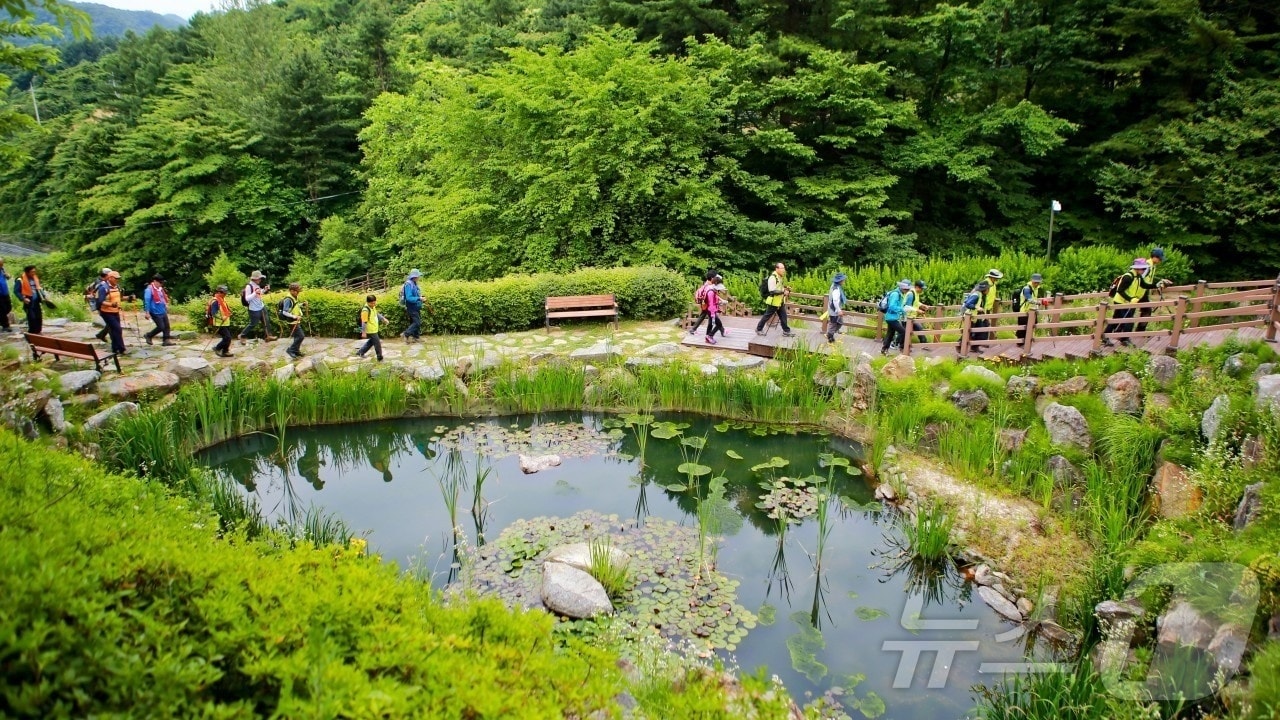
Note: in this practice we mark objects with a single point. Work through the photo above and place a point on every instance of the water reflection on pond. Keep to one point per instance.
(835, 602)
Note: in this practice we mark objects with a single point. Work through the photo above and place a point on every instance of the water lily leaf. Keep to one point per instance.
(611, 423)
(676, 487)
(871, 706)
(767, 614)
(867, 614)
(851, 470)
(664, 431)
(626, 457)
(637, 419)
(733, 455)
(694, 469)
(694, 442)
(722, 427)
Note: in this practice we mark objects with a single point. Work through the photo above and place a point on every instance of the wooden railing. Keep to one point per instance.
(369, 283)
(1179, 312)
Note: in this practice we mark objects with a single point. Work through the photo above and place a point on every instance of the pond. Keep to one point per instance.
(822, 599)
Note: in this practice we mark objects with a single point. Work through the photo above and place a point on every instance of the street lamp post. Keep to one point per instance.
(1054, 208)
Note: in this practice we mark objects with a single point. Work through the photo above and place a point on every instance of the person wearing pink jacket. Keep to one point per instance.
(713, 294)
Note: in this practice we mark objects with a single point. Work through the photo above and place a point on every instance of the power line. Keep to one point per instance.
(67, 231)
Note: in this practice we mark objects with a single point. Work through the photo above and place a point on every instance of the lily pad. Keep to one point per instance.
(693, 469)
(694, 442)
(867, 613)
(676, 487)
(767, 614)
(664, 431)
(722, 427)
(733, 455)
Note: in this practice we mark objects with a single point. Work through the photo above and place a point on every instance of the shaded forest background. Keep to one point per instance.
(472, 138)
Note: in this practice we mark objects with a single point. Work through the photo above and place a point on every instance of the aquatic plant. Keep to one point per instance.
(928, 532)
(1077, 694)
(615, 577)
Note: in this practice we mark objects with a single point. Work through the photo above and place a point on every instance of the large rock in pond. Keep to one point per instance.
(152, 382)
(1067, 426)
(900, 367)
(1123, 394)
(578, 555)
(572, 592)
(1211, 421)
(1175, 495)
(530, 464)
(78, 381)
(191, 368)
(1000, 603)
(118, 410)
(1163, 369)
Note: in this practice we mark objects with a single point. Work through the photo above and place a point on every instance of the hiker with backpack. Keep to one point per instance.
(109, 300)
(31, 294)
(895, 305)
(700, 297)
(1030, 295)
(156, 301)
(975, 305)
(713, 297)
(217, 314)
(6, 303)
(774, 291)
(370, 324)
(1126, 291)
(91, 298)
(291, 310)
(1157, 257)
(251, 298)
(916, 307)
(835, 306)
(411, 299)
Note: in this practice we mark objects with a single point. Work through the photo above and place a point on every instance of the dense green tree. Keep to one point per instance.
(18, 21)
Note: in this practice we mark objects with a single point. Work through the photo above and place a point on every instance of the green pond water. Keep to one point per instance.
(846, 620)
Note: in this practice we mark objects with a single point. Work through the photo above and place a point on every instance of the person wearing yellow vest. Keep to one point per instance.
(1157, 257)
(31, 294)
(775, 300)
(1131, 287)
(109, 299)
(1029, 296)
(218, 314)
(370, 324)
(917, 306)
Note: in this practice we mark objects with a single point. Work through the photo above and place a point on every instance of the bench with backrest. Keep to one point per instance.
(59, 347)
(581, 306)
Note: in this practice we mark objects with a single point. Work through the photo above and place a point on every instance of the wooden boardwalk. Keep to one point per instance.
(1071, 327)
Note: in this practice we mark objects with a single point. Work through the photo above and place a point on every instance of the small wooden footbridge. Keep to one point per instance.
(1070, 326)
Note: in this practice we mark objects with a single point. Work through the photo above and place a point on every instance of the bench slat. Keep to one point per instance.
(581, 306)
(581, 313)
(59, 347)
(582, 301)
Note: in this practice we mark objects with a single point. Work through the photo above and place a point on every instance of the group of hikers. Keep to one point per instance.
(902, 305)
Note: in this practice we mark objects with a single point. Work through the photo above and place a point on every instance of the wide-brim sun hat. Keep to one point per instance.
(839, 278)
(414, 274)
(1037, 277)
(256, 275)
(113, 274)
(984, 286)
(904, 284)
(1140, 264)
(994, 273)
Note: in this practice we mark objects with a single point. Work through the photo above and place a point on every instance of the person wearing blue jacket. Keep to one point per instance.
(156, 301)
(895, 314)
(6, 303)
(835, 306)
(412, 307)
(975, 304)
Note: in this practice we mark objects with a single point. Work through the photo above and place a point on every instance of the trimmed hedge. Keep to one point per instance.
(123, 600)
(1076, 270)
(510, 303)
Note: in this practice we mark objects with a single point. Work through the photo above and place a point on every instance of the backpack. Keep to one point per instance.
(401, 299)
(1115, 285)
(91, 294)
(764, 288)
(883, 304)
(244, 300)
(208, 312)
(1015, 302)
(700, 297)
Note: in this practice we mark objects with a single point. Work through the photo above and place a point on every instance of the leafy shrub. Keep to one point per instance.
(515, 302)
(123, 599)
(224, 271)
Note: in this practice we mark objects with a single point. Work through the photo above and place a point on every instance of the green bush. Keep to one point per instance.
(121, 599)
(511, 303)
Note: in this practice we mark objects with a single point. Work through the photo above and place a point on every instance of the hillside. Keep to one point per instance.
(114, 22)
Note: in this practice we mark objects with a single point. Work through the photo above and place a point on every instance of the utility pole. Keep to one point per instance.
(32, 87)
(1054, 208)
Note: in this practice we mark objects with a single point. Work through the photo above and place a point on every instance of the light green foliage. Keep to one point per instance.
(224, 271)
(928, 532)
(614, 576)
(1077, 694)
(234, 626)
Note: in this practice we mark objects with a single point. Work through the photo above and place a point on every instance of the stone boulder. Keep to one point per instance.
(1263, 370)
(970, 401)
(1267, 390)
(53, 412)
(530, 464)
(1012, 439)
(862, 391)
(1249, 508)
(1123, 394)
(1175, 495)
(1252, 450)
(78, 381)
(151, 382)
(222, 378)
(635, 363)
(572, 592)
(578, 555)
(1234, 366)
(191, 368)
(661, 350)
(1163, 369)
(1211, 420)
(118, 410)
(1110, 611)
(1067, 426)
(1074, 386)
(1000, 603)
(261, 368)
(708, 369)
(284, 373)
(1023, 386)
(739, 362)
(602, 351)
(982, 374)
(1182, 625)
(900, 367)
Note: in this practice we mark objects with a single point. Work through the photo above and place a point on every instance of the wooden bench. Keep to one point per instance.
(579, 306)
(58, 347)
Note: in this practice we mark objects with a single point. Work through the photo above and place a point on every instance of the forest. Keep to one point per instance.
(326, 139)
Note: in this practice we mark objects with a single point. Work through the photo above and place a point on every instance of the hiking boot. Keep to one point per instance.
(831, 338)
(166, 343)
(788, 333)
(1126, 342)
(710, 340)
(148, 339)
(761, 333)
(271, 338)
(293, 355)
(241, 339)
(224, 354)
